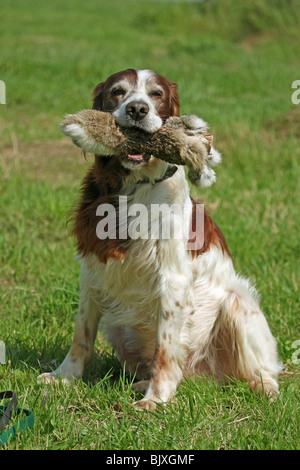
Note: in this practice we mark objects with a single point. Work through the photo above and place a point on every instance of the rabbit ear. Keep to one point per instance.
(98, 96)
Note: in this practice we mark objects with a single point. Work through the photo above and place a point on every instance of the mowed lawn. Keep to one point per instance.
(234, 63)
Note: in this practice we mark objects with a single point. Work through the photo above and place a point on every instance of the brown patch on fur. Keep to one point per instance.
(174, 99)
(100, 186)
(102, 99)
(225, 346)
(160, 364)
(167, 315)
(212, 234)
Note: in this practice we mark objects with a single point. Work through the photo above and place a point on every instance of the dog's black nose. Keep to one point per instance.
(137, 110)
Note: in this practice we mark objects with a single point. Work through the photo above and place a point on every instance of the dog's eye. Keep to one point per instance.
(118, 92)
(157, 94)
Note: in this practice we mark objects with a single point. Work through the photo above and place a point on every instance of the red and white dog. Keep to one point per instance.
(169, 312)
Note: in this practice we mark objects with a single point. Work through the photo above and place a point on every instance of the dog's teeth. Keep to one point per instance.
(138, 158)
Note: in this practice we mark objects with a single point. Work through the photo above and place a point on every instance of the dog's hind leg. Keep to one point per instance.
(242, 345)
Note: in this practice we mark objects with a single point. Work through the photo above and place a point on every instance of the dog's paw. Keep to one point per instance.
(268, 389)
(52, 378)
(145, 405)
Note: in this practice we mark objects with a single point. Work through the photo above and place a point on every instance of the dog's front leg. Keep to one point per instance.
(172, 342)
(86, 327)
(170, 355)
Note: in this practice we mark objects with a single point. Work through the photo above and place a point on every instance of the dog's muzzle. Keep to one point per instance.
(137, 110)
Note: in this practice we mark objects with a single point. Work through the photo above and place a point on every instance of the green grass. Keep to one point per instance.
(234, 63)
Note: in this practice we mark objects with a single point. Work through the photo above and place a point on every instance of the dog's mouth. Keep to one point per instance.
(134, 160)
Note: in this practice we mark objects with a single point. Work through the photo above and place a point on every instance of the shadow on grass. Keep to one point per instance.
(40, 360)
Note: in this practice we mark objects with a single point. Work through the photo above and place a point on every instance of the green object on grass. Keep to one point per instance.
(6, 414)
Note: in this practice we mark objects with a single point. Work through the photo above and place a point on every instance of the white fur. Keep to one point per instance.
(152, 122)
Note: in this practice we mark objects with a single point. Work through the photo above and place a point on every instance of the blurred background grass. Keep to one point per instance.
(234, 63)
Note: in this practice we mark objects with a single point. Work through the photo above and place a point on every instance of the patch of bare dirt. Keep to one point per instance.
(287, 124)
(256, 39)
(55, 161)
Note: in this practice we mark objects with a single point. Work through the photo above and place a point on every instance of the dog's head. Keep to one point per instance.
(137, 98)
(141, 99)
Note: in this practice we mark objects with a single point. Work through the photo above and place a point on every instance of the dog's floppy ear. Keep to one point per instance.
(174, 99)
(98, 96)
